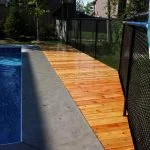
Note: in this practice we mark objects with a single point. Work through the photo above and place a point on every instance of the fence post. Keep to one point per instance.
(96, 36)
(80, 35)
(122, 42)
(109, 30)
(75, 33)
(67, 29)
(129, 71)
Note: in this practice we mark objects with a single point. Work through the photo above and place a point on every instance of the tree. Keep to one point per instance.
(37, 8)
(136, 6)
(88, 9)
(14, 24)
(130, 8)
(109, 31)
(80, 6)
(111, 12)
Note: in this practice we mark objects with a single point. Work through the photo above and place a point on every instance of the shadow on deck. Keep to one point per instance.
(96, 90)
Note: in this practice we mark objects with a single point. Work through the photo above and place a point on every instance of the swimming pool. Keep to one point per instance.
(10, 94)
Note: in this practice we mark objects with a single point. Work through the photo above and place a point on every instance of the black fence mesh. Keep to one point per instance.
(88, 30)
(109, 51)
(138, 98)
(91, 37)
(134, 74)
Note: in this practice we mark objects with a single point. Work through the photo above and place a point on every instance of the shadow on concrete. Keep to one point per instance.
(33, 130)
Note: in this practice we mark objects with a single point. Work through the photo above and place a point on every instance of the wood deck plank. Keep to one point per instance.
(95, 87)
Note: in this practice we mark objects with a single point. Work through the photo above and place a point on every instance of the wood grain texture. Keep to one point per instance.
(95, 87)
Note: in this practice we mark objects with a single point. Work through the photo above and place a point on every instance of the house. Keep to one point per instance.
(100, 8)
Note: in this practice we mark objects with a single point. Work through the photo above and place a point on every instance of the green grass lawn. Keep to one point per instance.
(106, 52)
(110, 60)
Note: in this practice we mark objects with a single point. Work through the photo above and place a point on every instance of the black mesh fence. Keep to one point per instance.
(108, 51)
(135, 78)
(138, 98)
(91, 37)
(88, 30)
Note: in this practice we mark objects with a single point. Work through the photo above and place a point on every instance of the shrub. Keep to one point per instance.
(47, 31)
(14, 24)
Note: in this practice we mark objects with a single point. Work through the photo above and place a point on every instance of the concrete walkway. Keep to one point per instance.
(51, 120)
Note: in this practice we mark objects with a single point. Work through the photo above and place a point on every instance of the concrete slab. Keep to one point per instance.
(51, 119)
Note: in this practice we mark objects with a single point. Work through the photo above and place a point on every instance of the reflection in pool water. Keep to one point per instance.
(10, 61)
(10, 97)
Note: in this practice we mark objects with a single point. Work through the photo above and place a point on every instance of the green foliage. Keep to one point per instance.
(110, 60)
(132, 7)
(136, 6)
(117, 28)
(111, 8)
(21, 18)
(88, 9)
(102, 37)
(14, 24)
(80, 6)
(37, 8)
(47, 31)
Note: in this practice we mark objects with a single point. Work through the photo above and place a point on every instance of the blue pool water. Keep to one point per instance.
(10, 95)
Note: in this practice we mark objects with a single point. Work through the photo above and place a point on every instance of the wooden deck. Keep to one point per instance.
(96, 90)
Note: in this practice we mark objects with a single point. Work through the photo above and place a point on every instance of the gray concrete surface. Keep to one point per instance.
(51, 120)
